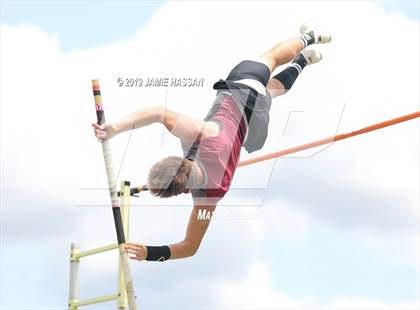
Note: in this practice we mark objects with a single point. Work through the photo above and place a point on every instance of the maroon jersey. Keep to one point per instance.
(218, 156)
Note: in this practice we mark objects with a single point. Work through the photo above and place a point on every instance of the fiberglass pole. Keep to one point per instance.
(114, 200)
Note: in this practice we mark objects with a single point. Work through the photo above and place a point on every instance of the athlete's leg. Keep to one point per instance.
(282, 53)
(283, 81)
(286, 51)
(280, 83)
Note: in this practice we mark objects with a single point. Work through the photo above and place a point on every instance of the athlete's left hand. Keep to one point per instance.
(136, 251)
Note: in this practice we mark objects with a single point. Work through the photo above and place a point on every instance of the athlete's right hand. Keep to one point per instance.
(105, 131)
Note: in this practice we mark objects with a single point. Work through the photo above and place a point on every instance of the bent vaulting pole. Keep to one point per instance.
(114, 200)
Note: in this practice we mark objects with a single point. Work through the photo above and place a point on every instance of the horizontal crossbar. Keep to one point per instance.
(95, 300)
(97, 250)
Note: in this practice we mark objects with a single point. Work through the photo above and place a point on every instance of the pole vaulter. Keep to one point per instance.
(106, 149)
(238, 118)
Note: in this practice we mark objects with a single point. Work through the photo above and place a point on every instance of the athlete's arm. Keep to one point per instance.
(197, 227)
(181, 126)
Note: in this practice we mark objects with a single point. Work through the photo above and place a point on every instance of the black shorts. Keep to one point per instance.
(256, 106)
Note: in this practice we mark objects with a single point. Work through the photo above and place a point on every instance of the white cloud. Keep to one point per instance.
(256, 292)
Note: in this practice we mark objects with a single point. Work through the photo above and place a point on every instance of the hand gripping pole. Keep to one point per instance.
(114, 200)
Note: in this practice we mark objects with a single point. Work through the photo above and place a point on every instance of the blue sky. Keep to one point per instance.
(409, 8)
(81, 24)
(349, 236)
(84, 24)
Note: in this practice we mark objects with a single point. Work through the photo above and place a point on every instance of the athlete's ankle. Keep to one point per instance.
(310, 36)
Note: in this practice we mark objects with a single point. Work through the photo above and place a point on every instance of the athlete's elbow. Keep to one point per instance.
(192, 249)
(157, 113)
(164, 116)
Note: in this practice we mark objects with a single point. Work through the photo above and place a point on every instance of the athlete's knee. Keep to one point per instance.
(267, 60)
(276, 88)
